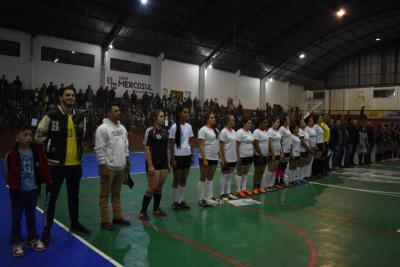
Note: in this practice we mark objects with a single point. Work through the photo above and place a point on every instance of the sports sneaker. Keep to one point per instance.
(247, 192)
(203, 203)
(224, 197)
(143, 217)
(184, 206)
(261, 190)
(79, 229)
(212, 202)
(36, 245)
(17, 249)
(231, 196)
(159, 213)
(176, 206)
(278, 186)
(269, 189)
(255, 191)
(241, 194)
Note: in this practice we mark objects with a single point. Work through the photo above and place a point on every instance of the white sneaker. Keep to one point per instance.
(212, 202)
(36, 245)
(232, 196)
(17, 250)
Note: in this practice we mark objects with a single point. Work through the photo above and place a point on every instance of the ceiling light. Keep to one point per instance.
(56, 60)
(210, 66)
(302, 55)
(73, 52)
(341, 12)
(377, 39)
(143, 2)
(271, 79)
(110, 46)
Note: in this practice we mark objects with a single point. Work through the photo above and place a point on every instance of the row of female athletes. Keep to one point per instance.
(273, 146)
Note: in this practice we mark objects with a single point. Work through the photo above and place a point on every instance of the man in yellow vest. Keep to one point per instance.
(327, 137)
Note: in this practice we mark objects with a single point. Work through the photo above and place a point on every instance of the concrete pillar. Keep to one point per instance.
(202, 83)
(155, 80)
(263, 84)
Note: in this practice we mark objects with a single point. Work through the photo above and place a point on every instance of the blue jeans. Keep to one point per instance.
(23, 201)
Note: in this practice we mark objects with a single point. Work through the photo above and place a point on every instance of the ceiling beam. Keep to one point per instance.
(249, 21)
(113, 33)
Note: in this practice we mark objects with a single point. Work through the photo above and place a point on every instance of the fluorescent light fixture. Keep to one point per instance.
(73, 52)
(271, 79)
(210, 66)
(143, 2)
(377, 39)
(110, 46)
(56, 60)
(340, 13)
(302, 55)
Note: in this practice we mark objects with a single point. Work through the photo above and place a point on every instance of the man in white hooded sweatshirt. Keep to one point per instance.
(112, 153)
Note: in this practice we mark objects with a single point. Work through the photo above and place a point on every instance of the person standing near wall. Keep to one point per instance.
(208, 160)
(227, 148)
(156, 151)
(327, 153)
(62, 130)
(371, 142)
(182, 156)
(112, 153)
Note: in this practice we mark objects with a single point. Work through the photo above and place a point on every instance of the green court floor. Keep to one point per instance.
(346, 219)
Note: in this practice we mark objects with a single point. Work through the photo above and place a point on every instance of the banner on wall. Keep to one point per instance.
(123, 83)
(372, 114)
(383, 114)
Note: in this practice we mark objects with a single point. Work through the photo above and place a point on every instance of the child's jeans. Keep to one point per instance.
(23, 201)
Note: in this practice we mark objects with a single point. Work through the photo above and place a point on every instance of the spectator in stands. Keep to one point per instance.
(80, 98)
(62, 128)
(17, 84)
(133, 99)
(353, 141)
(371, 141)
(3, 88)
(362, 146)
(336, 144)
(36, 96)
(89, 97)
(125, 98)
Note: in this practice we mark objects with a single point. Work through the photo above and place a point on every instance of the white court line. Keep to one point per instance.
(386, 166)
(105, 256)
(385, 193)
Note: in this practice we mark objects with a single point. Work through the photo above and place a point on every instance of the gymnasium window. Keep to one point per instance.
(67, 57)
(383, 93)
(10, 48)
(130, 66)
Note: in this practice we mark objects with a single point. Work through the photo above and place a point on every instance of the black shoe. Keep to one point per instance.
(107, 226)
(203, 203)
(184, 206)
(143, 216)
(121, 221)
(78, 229)
(176, 206)
(46, 237)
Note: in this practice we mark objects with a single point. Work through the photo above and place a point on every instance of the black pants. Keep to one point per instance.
(73, 175)
(368, 155)
(23, 201)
